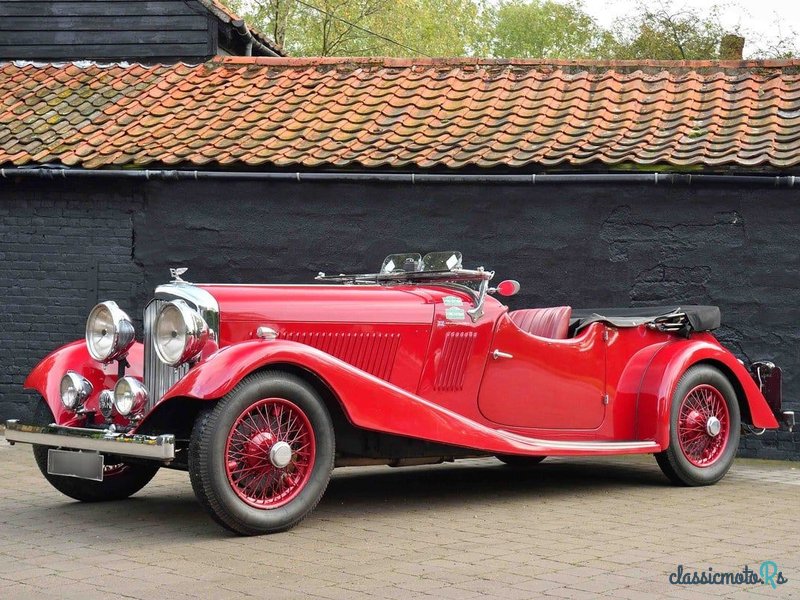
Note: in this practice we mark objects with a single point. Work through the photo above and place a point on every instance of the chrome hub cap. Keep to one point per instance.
(713, 426)
(280, 455)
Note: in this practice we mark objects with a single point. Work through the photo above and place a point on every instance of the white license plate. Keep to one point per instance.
(68, 463)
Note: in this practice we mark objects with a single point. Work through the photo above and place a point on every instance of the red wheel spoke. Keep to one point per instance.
(276, 418)
(300, 449)
(245, 454)
(257, 469)
(296, 436)
(292, 427)
(248, 458)
(252, 428)
(251, 485)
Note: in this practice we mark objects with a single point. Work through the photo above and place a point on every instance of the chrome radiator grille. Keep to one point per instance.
(158, 377)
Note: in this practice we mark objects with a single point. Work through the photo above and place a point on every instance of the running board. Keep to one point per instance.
(561, 447)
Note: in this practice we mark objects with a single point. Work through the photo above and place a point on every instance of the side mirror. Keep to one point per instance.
(509, 287)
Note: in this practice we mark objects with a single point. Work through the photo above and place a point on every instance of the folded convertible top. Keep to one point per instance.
(670, 318)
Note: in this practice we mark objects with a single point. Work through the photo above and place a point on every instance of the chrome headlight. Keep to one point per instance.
(130, 396)
(74, 390)
(109, 332)
(179, 333)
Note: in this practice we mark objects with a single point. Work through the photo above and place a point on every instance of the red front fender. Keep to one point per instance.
(361, 395)
(666, 369)
(45, 377)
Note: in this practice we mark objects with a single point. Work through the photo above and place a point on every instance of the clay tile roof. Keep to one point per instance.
(399, 114)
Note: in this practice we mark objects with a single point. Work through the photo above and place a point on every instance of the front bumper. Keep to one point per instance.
(153, 447)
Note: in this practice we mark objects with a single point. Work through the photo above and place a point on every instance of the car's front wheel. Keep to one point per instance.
(260, 460)
(704, 428)
(120, 479)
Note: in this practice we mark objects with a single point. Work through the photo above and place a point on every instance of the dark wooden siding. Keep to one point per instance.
(106, 30)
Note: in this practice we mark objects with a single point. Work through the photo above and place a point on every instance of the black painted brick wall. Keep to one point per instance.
(60, 250)
(584, 245)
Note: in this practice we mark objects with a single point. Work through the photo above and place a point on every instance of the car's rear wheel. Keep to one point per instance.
(517, 461)
(120, 479)
(704, 428)
(260, 460)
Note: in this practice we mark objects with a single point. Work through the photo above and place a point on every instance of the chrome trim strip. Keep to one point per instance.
(155, 447)
(603, 445)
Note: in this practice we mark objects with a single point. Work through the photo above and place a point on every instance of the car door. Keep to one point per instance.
(534, 382)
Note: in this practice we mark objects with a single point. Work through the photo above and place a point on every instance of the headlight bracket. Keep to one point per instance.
(122, 364)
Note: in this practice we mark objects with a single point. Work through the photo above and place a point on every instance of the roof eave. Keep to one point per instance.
(258, 43)
(784, 179)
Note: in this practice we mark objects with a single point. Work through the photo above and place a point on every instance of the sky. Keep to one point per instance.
(762, 17)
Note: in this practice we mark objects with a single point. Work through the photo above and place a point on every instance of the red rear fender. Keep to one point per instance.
(666, 369)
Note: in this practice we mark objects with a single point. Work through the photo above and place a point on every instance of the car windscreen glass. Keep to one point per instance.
(441, 261)
(409, 262)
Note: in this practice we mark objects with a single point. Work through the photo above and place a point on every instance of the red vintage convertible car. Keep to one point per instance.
(259, 391)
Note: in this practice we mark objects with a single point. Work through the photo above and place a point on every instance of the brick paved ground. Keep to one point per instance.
(566, 529)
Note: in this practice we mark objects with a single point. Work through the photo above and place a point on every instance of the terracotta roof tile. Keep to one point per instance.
(378, 113)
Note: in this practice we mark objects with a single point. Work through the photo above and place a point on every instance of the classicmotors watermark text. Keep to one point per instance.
(767, 574)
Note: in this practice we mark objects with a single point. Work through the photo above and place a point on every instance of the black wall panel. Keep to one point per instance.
(112, 30)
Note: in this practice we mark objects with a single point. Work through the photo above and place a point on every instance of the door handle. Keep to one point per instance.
(499, 354)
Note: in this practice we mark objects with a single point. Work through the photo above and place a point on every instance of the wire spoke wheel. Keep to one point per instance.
(270, 453)
(703, 425)
(261, 458)
(704, 428)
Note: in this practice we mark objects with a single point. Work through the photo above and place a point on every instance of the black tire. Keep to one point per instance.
(520, 462)
(675, 462)
(209, 462)
(121, 481)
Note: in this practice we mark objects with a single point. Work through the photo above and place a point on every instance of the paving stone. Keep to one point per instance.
(559, 535)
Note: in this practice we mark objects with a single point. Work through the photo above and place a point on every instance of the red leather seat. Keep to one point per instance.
(544, 322)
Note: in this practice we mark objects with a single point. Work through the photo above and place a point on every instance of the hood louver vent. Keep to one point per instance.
(453, 361)
(370, 352)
